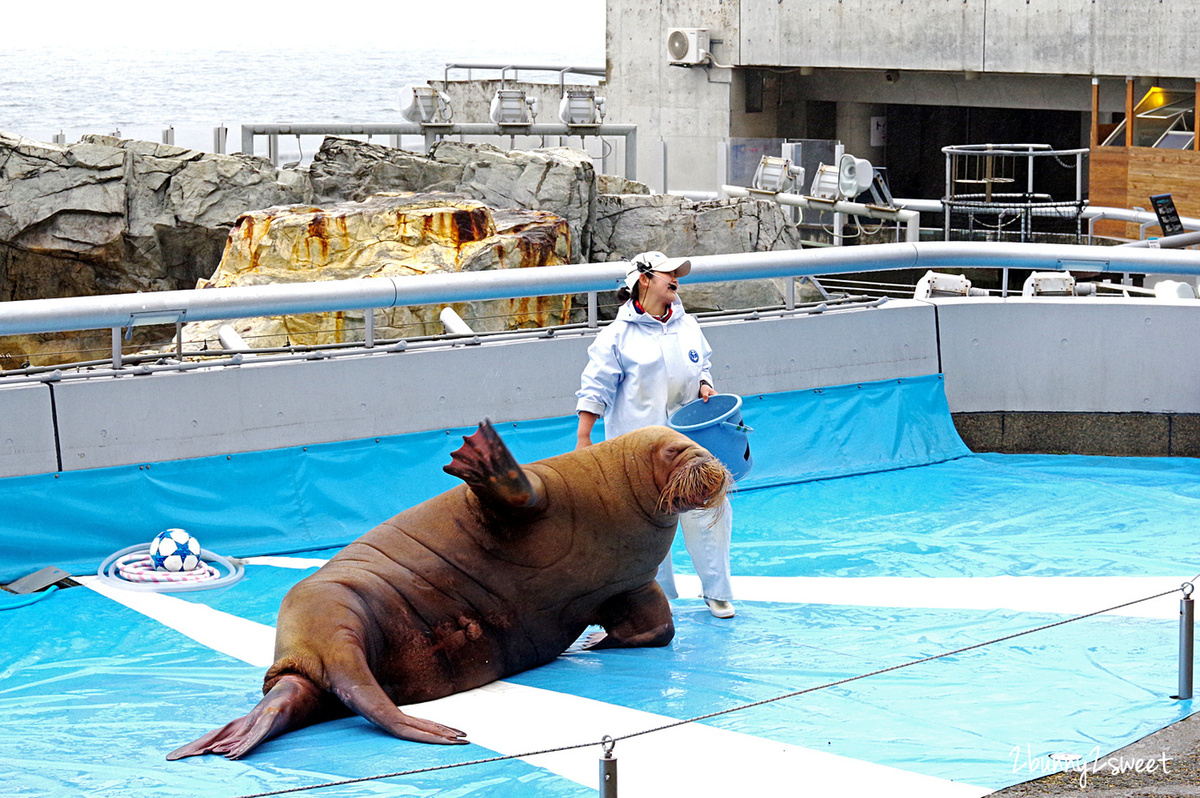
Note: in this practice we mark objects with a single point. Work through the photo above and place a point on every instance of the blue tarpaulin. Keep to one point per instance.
(866, 486)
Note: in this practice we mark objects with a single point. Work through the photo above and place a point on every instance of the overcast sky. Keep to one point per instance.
(293, 24)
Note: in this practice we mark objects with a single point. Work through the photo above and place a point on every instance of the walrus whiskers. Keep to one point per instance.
(701, 484)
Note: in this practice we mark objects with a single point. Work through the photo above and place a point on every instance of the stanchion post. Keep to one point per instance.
(1187, 615)
(608, 769)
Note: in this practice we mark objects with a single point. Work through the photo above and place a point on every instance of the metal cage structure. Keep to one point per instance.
(993, 192)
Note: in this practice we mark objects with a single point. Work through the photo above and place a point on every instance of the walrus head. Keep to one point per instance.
(688, 476)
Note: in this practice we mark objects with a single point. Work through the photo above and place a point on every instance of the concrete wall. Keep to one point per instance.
(1070, 355)
(174, 415)
(688, 108)
(1073, 375)
(1021, 374)
(1070, 37)
(1016, 54)
(27, 436)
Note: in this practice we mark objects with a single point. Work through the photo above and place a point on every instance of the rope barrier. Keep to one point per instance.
(607, 743)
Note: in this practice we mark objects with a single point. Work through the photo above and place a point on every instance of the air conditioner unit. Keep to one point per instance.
(687, 46)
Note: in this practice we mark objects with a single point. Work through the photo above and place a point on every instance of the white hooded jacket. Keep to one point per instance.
(641, 370)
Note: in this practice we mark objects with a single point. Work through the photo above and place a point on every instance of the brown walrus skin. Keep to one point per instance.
(485, 580)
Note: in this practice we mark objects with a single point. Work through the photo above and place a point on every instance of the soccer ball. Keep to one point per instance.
(174, 550)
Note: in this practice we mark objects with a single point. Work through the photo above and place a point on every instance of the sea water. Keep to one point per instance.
(46, 92)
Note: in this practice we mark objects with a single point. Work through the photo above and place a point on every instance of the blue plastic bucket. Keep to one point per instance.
(717, 426)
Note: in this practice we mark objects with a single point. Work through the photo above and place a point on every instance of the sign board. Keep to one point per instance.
(1168, 217)
(879, 131)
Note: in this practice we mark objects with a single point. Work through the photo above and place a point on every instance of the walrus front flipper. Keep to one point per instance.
(290, 704)
(488, 467)
(640, 617)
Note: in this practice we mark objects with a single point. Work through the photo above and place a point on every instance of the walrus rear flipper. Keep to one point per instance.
(489, 468)
(291, 704)
(353, 683)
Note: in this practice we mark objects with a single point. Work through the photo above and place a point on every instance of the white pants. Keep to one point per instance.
(706, 533)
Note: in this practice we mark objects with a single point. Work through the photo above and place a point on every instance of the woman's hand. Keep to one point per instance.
(706, 391)
(583, 436)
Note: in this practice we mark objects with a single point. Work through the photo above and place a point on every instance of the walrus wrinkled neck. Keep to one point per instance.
(700, 484)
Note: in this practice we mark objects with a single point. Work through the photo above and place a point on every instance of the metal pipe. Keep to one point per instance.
(433, 131)
(417, 129)
(116, 346)
(230, 340)
(593, 310)
(912, 219)
(1169, 242)
(1091, 213)
(608, 769)
(453, 323)
(21, 317)
(608, 777)
(593, 71)
(1187, 615)
(631, 144)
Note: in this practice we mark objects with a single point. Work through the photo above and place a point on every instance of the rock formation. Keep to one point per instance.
(112, 216)
(559, 180)
(386, 235)
(627, 224)
(107, 215)
(123, 215)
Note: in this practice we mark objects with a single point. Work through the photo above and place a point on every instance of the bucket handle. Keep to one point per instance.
(738, 427)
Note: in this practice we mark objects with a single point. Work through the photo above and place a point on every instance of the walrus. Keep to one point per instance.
(493, 577)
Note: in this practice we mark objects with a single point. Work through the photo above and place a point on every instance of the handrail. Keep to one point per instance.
(432, 131)
(1016, 150)
(1092, 213)
(120, 311)
(591, 71)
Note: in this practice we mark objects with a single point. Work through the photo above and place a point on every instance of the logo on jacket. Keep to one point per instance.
(694, 356)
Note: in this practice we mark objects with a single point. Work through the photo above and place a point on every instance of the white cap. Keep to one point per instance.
(654, 262)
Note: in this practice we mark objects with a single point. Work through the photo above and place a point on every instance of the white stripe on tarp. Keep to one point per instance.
(299, 563)
(1068, 595)
(513, 719)
(249, 641)
(689, 760)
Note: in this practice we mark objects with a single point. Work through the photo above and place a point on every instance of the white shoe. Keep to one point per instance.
(720, 608)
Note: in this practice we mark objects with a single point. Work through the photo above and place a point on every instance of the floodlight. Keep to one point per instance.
(825, 183)
(934, 284)
(511, 107)
(854, 176)
(776, 174)
(1049, 284)
(424, 104)
(1173, 289)
(581, 107)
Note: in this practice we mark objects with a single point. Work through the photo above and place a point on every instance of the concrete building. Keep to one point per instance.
(894, 81)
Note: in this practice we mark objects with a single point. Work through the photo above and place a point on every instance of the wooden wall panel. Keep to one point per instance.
(1126, 177)
(1108, 185)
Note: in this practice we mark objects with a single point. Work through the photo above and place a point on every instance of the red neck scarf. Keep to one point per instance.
(663, 318)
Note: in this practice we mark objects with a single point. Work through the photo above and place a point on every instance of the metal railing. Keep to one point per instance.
(910, 218)
(433, 131)
(121, 312)
(563, 71)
